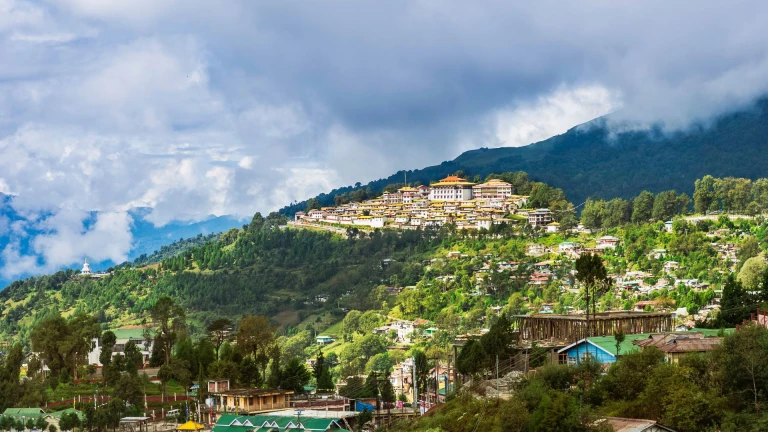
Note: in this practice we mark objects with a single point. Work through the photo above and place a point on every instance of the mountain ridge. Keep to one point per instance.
(592, 160)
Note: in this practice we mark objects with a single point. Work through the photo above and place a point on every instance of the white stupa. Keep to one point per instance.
(86, 268)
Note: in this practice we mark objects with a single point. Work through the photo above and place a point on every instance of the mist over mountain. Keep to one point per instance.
(597, 159)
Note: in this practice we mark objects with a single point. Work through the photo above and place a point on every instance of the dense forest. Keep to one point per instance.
(592, 160)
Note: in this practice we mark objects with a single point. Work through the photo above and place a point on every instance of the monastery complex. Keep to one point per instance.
(451, 200)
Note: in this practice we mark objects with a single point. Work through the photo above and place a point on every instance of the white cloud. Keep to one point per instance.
(551, 115)
(196, 108)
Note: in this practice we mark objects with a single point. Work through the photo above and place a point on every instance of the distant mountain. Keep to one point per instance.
(147, 239)
(592, 160)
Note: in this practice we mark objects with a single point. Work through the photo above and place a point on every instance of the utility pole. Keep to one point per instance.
(497, 376)
(415, 385)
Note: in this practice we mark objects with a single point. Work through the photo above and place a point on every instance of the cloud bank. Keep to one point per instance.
(195, 108)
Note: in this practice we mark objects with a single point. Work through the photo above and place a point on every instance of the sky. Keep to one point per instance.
(197, 108)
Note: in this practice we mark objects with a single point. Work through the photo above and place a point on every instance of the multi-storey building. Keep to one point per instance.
(451, 188)
(493, 188)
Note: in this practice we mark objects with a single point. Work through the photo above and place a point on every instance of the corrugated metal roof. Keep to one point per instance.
(635, 425)
(691, 345)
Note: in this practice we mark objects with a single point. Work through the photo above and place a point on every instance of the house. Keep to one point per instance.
(668, 226)
(671, 266)
(635, 425)
(607, 242)
(569, 248)
(451, 188)
(553, 227)
(678, 345)
(218, 385)
(124, 335)
(252, 400)
(534, 249)
(540, 217)
(602, 348)
(402, 329)
(324, 340)
(642, 305)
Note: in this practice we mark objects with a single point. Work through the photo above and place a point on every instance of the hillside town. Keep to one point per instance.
(453, 199)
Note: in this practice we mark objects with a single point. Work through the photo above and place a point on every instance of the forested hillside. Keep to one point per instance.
(260, 270)
(593, 161)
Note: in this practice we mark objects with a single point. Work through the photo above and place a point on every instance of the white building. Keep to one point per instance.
(451, 188)
(122, 337)
(493, 188)
(86, 268)
(607, 242)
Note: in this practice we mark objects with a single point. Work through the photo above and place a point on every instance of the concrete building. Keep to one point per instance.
(540, 217)
(493, 188)
(451, 188)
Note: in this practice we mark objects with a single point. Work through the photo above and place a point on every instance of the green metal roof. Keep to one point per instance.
(24, 412)
(128, 333)
(608, 343)
(266, 422)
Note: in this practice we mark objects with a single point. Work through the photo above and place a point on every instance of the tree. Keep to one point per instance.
(421, 364)
(350, 324)
(745, 358)
(319, 367)
(224, 369)
(498, 341)
(313, 204)
(249, 372)
(750, 247)
(129, 388)
(591, 272)
(751, 273)
(164, 374)
(617, 213)
(472, 358)
(170, 321)
(704, 194)
(619, 337)
(69, 421)
(665, 205)
(219, 331)
(255, 335)
(643, 207)
(735, 305)
(82, 330)
(593, 213)
(387, 391)
(46, 338)
(133, 358)
(295, 376)
(41, 424)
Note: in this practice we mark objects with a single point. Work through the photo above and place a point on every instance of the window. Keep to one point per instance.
(571, 361)
(563, 358)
